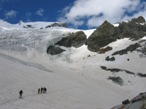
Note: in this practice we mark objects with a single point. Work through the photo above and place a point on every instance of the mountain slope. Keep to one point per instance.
(75, 78)
(66, 89)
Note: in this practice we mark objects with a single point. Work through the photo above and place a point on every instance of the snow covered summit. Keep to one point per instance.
(31, 25)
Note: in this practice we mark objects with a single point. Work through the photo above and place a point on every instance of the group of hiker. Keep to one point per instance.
(40, 90)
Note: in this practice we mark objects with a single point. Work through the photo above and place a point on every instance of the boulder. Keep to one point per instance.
(126, 102)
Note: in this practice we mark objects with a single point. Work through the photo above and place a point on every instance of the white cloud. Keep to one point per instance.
(40, 12)
(95, 20)
(96, 11)
(10, 14)
(140, 13)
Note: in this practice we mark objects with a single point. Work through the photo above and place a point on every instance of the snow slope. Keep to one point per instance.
(74, 79)
(65, 89)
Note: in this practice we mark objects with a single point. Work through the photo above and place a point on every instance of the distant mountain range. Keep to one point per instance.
(32, 25)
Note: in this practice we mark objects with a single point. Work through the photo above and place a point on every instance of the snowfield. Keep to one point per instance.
(74, 78)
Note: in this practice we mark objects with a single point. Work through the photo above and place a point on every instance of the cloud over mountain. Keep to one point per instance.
(93, 12)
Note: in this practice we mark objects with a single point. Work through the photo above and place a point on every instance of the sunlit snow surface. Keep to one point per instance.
(74, 80)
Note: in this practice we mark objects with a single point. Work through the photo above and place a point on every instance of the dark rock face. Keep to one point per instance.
(117, 70)
(117, 80)
(73, 40)
(110, 59)
(140, 19)
(142, 49)
(131, 48)
(102, 36)
(28, 26)
(54, 50)
(132, 30)
(107, 33)
(125, 102)
(141, 74)
(57, 25)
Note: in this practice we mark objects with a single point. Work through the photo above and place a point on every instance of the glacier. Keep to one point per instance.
(74, 78)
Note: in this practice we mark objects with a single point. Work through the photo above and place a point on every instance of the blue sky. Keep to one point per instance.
(31, 10)
(82, 14)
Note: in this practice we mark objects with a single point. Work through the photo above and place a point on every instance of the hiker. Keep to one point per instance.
(45, 89)
(20, 93)
(42, 89)
(39, 91)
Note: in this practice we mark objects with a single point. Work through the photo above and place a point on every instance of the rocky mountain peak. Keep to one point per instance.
(107, 33)
(105, 26)
(140, 19)
(57, 25)
(102, 36)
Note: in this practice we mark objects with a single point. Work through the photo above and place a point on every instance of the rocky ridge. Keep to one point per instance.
(71, 40)
(107, 33)
(103, 35)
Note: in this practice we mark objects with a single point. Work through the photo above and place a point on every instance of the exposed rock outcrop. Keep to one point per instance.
(131, 48)
(117, 70)
(110, 59)
(140, 19)
(28, 26)
(102, 36)
(53, 50)
(132, 29)
(138, 102)
(118, 80)
(57, 25)
(73, 40)
(107, 33)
